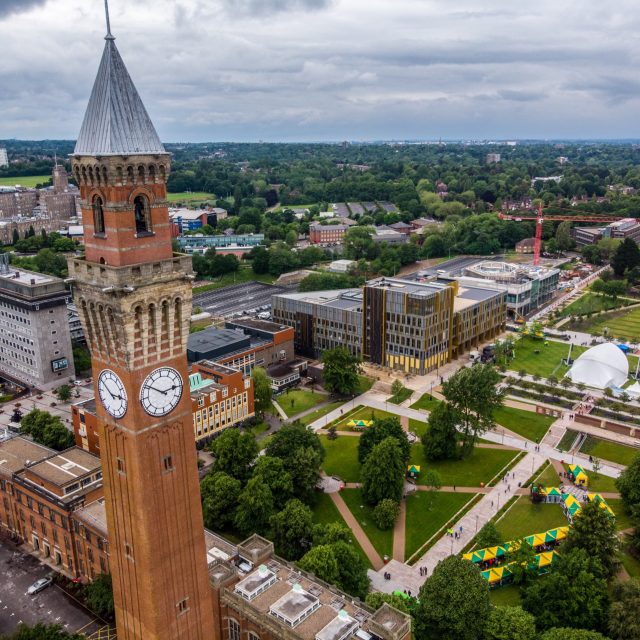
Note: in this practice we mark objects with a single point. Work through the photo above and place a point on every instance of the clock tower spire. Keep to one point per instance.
(134, 298)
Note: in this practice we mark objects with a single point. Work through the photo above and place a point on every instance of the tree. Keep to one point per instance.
(575, 589)
(564, 241)
(81, 358)
(568, 633)
(383, 473)
(330, 533)
(63, 393)
(396, 389)
(99, 595)
(624, 618)
(628, 484)
(352, 569)
(292, 529)
(277, 478)
(341, 371)
(440, 440)
(454, 603)
(595, 532)
(321, 561)
(627, 256)
(376, 599)
(255, 508)
(262, 390)
(259, 259)
(16, 236)
(42, 632)
(473, 395)
(220, 493)
(489, 536)
(381, 429)
(386, 513)
(234, 453)
(510, 623)
(433, 482)
(302, 453)
(522, 557)
(47, 430)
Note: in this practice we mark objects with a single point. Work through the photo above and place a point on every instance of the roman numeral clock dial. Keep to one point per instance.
(161, 391)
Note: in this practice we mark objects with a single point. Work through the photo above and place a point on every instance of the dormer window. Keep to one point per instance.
(142, 215)
(98, 215)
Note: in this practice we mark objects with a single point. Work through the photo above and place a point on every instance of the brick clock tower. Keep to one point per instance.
(134, 298)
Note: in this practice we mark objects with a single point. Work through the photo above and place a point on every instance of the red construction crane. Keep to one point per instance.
(537, 246)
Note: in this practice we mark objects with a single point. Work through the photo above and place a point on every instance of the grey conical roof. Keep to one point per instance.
(116, 122)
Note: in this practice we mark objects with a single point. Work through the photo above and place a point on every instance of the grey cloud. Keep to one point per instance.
(521, 95)
(8, 7)
(267, 7)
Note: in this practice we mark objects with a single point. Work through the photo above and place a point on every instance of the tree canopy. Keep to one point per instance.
(234, 453)
(381, 429)
(383, 472)
(341, 371)
(47, 430)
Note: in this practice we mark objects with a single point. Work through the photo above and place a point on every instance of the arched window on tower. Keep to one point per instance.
(98, 215)
(142, 214)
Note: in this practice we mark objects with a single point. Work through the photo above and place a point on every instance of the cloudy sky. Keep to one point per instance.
(331, 69)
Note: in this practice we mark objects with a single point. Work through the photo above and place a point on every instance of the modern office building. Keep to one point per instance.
(527, 287)
(223, 244)
(404, 325)
(621, 229)
(35, 341)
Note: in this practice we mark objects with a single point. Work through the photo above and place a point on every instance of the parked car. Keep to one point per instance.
(38, 586)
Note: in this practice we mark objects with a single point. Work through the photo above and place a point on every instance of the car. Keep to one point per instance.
(39, 585)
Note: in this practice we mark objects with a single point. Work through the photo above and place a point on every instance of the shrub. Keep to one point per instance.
(386, 513)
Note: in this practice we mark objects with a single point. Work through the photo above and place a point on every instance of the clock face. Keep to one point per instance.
(161, 391)
(113, 395)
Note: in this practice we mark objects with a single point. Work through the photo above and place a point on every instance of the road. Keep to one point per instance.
(52, 606)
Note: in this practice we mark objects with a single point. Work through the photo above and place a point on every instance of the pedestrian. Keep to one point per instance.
(492, 504)
(514, 474)
(454, 487)
(460, 528)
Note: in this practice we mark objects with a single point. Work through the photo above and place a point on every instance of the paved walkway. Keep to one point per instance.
(358, 532)
(399, 532)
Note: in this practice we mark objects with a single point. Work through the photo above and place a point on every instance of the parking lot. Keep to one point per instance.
(51, 606)
(237, 299)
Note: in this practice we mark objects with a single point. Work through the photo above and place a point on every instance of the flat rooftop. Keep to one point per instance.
(94, 515)
(262, 325)
(16, 453)
(214, 338)
(469, 296)
(67, 467)
(29, 278)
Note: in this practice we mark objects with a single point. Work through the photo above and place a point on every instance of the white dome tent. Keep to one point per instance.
(601, 367)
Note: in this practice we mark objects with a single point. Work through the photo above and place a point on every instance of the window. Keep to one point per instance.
(128, 550)
(167, 463)
(253, 636)
(234, 629)
(98, 215)
(120, 465)
(142, 215)
(183, 606)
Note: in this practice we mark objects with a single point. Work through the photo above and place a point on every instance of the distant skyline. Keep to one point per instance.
(329, 70)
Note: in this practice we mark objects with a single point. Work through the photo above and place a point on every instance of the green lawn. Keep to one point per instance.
(601, 484)
(591, 303)
(362, 413)
(28, 182)
(607, 450)
(190, 196)
(364, 384)
(481, 466)
(622, 324)
(341, 458)
(548, 360)
(427, 402)
(381, 540)
(507, 596)
(623, 519)
(405, 394)
(549, 477)
(426, 514)
(326, 512)
(528, 424)
(243, 275)
(417, 426)
(567, 440)
(525, 518)
(320, 412)
(296, 401)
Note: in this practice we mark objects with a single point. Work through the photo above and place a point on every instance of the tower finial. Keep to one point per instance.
(106, 11)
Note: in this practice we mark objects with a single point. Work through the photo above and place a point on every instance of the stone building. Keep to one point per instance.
(35, 343)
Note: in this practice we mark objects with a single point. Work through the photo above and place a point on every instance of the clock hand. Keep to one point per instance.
(164, 392)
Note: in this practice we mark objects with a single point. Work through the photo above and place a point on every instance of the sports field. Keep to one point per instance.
(24, 181)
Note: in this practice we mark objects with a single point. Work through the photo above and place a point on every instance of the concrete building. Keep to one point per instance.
(187, 220)
(587, 235)
(621, 229)
(4, 157)
(200, 243)
(35, 342)
(527, 287)
(389, 236)
(409, 326)
(493, 158)
(342, 266)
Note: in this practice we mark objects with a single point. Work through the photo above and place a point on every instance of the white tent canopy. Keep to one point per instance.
(634, 390)
(601, 367)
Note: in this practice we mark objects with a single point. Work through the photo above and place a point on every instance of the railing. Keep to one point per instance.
(104, 633)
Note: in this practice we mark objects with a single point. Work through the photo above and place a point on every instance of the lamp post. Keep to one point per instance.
(476, 523)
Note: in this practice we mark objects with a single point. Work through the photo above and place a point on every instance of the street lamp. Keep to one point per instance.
(476, 523)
